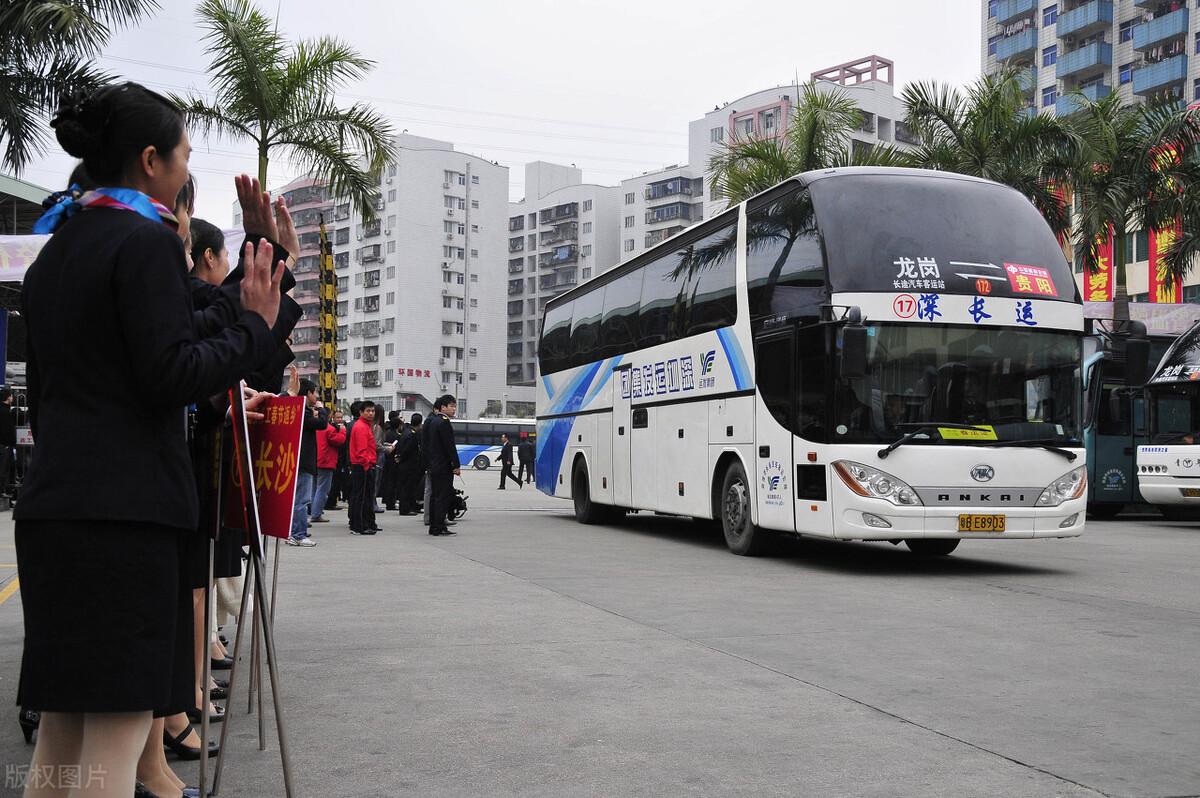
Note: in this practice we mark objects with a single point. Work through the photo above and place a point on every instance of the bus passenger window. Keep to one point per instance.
(585, 327)
(785, 267)
(554, 350)
(662, 301)
(773, 375)
(618, 330)
(709, 266)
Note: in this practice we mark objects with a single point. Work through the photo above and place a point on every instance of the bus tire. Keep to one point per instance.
(586, 510)
(481, 462)
(1104, 511)
(931, 547)
(741, 535)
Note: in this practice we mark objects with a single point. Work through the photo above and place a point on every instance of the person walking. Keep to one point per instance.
(306, 474)
(506, 462)
(525, 454)
(410, 467)
(442, 456)
(362, 464)
(99, 527)
(330, 442)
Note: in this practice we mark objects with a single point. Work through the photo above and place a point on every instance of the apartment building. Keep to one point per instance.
(419, 286)
(562, 233)
(868, 81)
(657, 205)
(1140, 49)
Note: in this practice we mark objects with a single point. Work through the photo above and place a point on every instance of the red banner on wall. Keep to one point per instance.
(1098, 282)
(1161, 287)
(275, 459)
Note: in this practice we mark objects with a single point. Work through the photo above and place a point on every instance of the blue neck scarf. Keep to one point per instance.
(64, 205)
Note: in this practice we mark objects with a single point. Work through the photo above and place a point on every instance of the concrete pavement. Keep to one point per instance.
(534, 656)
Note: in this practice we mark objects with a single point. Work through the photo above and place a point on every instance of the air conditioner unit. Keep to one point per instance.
(389, 181)
(449, 211)
(441, 361)
(445, 291)
(387, 232)
(359, 236)
(445, 185)
(449, 236)
(445, 264)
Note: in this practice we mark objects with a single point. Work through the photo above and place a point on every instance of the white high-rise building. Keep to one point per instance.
(562, 233)
(869, 82)
(419, 313)
(657, 205)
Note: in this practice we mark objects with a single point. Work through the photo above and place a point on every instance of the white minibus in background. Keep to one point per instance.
(859, 354)
(1169, 464)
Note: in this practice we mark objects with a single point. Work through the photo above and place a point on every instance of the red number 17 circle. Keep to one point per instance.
(904, 306)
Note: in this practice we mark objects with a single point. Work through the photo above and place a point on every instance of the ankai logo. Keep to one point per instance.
(706, 361)
(983, 473)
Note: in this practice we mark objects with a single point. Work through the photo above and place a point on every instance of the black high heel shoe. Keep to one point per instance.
(29, 721)
(195, 717)
(185, 751)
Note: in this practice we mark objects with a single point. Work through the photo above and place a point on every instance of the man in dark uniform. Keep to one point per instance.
(506, 462)
(442, 457)
(412, 468)
(525, 454)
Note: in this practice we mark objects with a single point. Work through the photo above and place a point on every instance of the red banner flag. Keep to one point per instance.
(275, 459)
(1163, 288)
(1098, 282)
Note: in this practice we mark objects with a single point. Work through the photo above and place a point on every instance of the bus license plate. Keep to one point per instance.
(971, 522)
(1190, 493)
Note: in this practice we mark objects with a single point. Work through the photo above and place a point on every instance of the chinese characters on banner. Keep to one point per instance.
(274, 458)
(1162, 288)
(1098, 283)
(402, 371)
(1030, 279)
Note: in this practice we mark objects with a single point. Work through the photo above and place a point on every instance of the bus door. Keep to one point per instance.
(775, 413)
(1114, 443)
(621, 435)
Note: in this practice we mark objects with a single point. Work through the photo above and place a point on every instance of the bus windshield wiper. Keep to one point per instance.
(1044, 443)
(919, 428)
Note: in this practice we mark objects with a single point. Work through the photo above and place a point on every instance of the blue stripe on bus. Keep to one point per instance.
(468, 452)
(605, 374)
(737, 361)
(552, 443)
(549, 387)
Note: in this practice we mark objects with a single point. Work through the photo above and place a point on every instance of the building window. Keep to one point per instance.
(587, 273)
(474, 253)
(629, 221)
(992, 42)
(446, 301)
(475, 179)
(629, 198)
(1125, 32)
(716, 135)
(391, 247)
(1049, 16)
(474, 228)
(391, 297)
(389, 349)
(629, 245)
(1198, 42)
(472, 376)
(587, 205)
(1125, 74)
(474, 203)
(474, 302)
(585, 250)
(392, 195)
(474, 278)
(1196, 89)
(1050, 55)
(587, 227)
(391, 222)
(474, 327)
(1049, 96)
(992, 7)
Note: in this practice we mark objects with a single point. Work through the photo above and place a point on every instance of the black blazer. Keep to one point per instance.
(113, 361)
(438, 439)
(506, 453)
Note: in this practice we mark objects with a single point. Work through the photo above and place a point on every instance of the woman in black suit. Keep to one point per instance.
(110, 492)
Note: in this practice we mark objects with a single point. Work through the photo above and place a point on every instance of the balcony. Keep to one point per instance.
(669, 188)
(1008, 10)
(1070, 103)
(569, 210)
(371, 229)
(665, 213)
(560, 256)
(1027, 80)
(1160, 29)
(1151, 4)
(516, 244)
(563, 232)
(1090, 58)
(1150, 79)
(1022, 44)
(370, 379)
(516, 266)
(516, 223)
(1087, 19)
(370, 254)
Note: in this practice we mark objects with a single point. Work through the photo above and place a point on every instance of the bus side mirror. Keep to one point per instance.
(854, 351)
(1137, 361)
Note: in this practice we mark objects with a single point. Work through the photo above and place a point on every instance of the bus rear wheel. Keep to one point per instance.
(931, 547)
(586, 510)
(481, 463)
(741, 535)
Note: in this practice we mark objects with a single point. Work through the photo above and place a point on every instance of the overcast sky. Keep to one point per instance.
(609, 86)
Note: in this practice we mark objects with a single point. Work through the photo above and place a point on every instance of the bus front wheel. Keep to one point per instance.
(481, 463)
(741, 536)
(931, 547)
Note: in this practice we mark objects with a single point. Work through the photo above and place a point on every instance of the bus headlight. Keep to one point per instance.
(1070, 485)
(875, 484)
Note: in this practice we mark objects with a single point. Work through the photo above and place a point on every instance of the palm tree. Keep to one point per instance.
(45, 47)
(818, 136)
(281, 97)
(986, 131)
(1136, 169)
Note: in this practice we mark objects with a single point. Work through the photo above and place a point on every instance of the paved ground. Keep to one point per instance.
(533, 656)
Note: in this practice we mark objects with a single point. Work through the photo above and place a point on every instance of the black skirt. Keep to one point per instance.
(108, 618)
(227, 556)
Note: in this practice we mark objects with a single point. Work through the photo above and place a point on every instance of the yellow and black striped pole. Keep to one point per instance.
(327, 329)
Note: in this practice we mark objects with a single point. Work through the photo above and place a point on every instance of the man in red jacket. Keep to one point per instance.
(362, 466)
(329, 440)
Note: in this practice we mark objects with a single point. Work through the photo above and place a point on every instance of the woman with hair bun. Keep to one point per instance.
(110, 493)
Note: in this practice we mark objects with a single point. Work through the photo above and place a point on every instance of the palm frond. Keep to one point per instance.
(246, 54)
(209, 120)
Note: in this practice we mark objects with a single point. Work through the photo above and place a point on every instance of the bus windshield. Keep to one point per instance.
(1174, 411)
(1024, 384)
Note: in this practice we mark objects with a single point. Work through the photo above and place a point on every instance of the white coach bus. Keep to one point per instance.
(859, 354)
(1169, 465)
